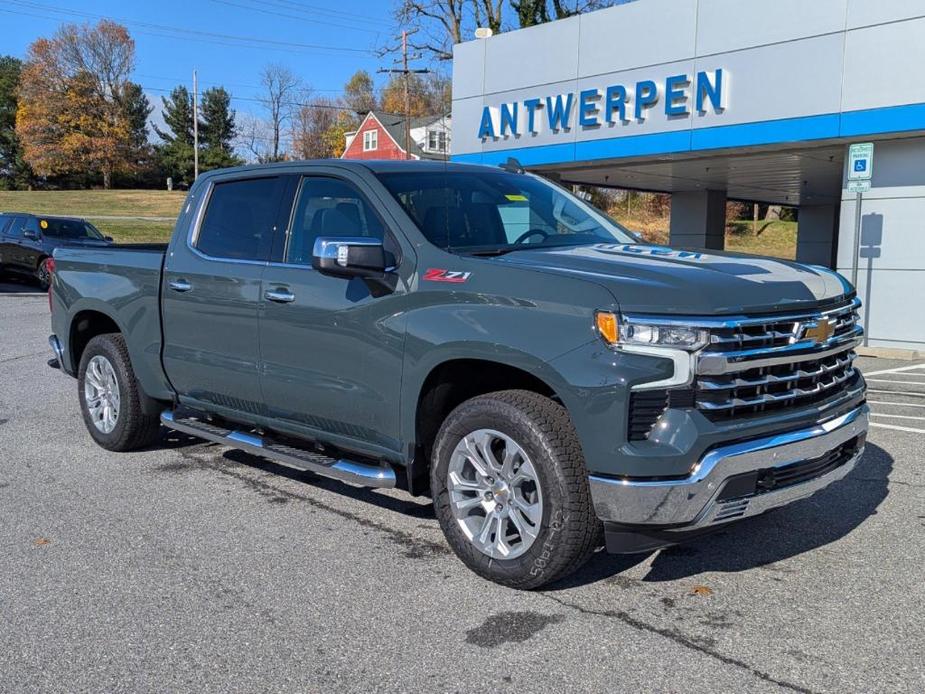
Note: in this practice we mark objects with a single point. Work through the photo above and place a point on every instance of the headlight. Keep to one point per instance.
(617, 332)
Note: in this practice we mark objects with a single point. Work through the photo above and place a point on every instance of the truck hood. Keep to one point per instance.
(662, 280)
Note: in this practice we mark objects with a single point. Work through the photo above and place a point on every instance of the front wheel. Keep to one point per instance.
(510, 489)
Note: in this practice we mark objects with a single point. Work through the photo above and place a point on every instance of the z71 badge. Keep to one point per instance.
(438, 275)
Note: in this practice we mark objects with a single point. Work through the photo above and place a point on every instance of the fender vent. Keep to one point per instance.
(646, 406)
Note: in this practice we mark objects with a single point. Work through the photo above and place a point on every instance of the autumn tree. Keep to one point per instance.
(360, 93)
(428, 95)
(78, 111)
(310, 126)
(14, 172)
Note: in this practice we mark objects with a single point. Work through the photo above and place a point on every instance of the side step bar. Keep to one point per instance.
(360, 474)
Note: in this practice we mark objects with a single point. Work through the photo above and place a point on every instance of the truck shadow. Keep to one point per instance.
(15, 285)
(762, 541)
(405, 505)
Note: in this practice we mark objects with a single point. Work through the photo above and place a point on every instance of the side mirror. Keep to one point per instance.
(30, 234)
(108, 238)
(349, 257)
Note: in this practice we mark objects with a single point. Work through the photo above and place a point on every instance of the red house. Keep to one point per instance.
(382, 136)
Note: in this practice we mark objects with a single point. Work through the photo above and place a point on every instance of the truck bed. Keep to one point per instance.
(123, 282)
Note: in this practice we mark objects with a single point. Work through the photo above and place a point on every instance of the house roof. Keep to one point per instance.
(394, 125)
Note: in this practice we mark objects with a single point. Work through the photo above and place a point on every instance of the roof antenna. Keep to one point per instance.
(513, 166)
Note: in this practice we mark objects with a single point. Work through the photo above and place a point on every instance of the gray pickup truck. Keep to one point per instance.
(477, 334)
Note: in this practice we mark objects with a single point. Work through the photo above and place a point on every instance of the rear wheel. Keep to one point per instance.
(43, 274)
(118, 415)
(510, 489)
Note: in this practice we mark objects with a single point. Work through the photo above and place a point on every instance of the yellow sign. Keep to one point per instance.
(516, 198)
(44, 224)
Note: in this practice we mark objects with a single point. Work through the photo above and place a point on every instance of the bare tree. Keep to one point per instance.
(254, 136)
(281, 87)
(441, 22)
(489, 12)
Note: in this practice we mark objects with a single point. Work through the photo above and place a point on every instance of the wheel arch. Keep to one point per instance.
(451, 381)
(84, 326)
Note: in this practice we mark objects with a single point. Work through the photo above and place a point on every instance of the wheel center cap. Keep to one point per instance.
(501, 491)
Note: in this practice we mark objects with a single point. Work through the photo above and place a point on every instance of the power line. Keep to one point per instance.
(297, 104)
(406, 73)
(295, 16)
(309, 8)
(189, 34)
(180, 80)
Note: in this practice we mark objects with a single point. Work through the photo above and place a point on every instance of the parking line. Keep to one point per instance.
(895, 416)
(897, 370)
(894, 404)
(897, 392)
(893, 380)
(896, 427)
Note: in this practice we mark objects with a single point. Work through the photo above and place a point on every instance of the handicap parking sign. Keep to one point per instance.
(861, 161)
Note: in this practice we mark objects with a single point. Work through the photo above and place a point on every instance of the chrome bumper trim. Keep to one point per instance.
(55, 345)
(692, 502)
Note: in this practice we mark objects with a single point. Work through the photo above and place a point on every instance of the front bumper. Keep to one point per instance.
(720, 487)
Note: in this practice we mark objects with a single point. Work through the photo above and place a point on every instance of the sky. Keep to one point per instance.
(322, 41)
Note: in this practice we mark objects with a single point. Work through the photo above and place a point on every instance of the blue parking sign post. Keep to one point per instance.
(860, 171)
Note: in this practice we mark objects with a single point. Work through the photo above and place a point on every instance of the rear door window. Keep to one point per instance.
(239, 220)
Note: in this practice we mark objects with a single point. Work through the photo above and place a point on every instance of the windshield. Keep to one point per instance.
(70, 229)
(498, 211)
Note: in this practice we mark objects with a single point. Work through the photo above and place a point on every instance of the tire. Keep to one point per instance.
(43, 274)
(134, 424)
(567, 531)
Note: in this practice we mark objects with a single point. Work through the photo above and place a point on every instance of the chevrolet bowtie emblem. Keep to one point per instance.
(819, 332)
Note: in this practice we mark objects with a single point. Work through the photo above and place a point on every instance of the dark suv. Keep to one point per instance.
(27, 241)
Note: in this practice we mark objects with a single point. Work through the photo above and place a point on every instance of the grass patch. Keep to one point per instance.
(88, 203)
(135, 230)
(777, 239)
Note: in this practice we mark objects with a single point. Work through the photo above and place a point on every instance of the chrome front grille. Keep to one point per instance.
(745, 343)
(754, 365)
(773, 387)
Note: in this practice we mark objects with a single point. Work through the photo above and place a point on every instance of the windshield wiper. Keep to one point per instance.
(495, 252)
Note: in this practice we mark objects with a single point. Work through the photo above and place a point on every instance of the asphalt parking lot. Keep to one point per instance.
(191, 567)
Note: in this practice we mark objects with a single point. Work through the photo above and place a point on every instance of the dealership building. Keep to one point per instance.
(712, 100)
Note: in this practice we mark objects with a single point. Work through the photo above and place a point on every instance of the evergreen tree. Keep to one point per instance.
(14, 172)
(217, 129)
(176, 152)
(178, 117)
(137, 109)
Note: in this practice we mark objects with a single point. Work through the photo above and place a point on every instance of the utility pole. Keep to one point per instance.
(195, 127)
(406, 72)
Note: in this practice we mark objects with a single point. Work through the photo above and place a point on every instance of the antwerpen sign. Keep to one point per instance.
(677, 95)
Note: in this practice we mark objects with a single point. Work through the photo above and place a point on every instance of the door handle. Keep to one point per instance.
(280, 295)
(179, 285)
